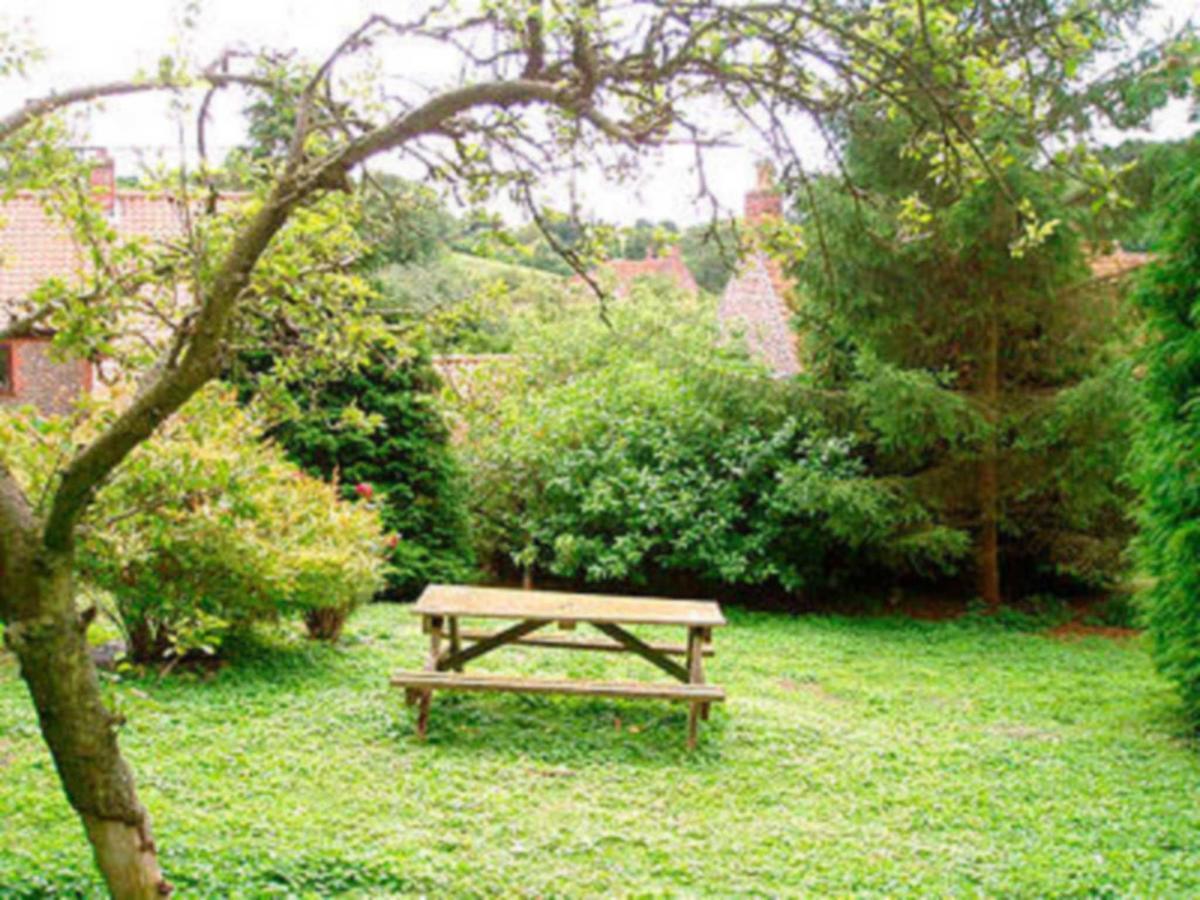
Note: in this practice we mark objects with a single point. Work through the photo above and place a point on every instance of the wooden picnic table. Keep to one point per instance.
(442, 607)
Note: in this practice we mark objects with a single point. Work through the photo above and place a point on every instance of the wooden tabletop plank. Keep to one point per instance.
(503, 603)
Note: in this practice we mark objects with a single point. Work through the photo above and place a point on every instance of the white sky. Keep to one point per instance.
(92, 40)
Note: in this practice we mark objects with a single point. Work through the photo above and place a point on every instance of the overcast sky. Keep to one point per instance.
(90, 40)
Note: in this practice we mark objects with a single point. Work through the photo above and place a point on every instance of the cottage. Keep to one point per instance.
(34, 247)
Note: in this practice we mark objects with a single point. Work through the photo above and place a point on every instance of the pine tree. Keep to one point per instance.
(1167, 454)
(969, 356)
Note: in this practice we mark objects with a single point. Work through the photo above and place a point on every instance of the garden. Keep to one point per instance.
(921, 417)
(868, 756)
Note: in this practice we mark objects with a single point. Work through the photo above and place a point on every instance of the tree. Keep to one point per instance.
(647, 239)
(400, 453)
(1167, 457)
(552, 81)
(964, 367)
(1147, 170)
(710, 252)
(403, 222)
(960, 319)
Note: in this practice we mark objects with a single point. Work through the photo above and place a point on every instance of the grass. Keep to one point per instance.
(855, 756)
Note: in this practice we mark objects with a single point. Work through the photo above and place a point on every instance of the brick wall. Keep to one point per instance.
(41, 381)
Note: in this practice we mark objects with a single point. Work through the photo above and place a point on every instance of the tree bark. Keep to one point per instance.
(988, 476)
(49, 638)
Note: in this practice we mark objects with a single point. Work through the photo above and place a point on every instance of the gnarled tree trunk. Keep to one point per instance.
(48, 636)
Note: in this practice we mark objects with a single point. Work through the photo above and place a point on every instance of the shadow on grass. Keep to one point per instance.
(560, 731)
(253, 659)
(328, 874)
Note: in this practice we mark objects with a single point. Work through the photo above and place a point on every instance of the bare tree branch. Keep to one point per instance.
(40, 107)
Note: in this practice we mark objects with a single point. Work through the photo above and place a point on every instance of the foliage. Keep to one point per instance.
(485, 235)
(1055, 769)
(912, 294)
(1147, 169)
(470, 304)
(1167, 471)
(208, 528)
(644, 237)
(644, 451)
(403, 222)
(379, 427)
(710, 251)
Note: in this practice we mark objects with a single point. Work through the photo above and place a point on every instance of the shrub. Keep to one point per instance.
(625, 454)
(398, 450)
(1167, 450)
(207, 528)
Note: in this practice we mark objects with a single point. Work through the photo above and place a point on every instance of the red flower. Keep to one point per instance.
(393, 541)
(364, 490)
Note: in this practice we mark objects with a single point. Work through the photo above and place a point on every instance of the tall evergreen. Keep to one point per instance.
(981, 368)
(403, 463)
(1167, 457)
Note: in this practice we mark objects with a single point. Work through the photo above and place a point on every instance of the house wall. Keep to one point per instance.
(41, 381)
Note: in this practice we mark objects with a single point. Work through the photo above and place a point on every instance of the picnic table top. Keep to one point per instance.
(503, 603)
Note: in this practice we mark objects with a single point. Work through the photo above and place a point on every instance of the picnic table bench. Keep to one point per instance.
(441, 607)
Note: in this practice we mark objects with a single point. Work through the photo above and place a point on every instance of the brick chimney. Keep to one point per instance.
(103, 181)
(764, 201)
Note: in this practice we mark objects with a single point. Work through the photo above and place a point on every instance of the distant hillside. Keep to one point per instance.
(470, 303)
(513, 273)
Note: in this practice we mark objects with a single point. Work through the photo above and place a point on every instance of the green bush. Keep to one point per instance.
(643, 450)
(1167, 451)
(379, 431)
(207, 527)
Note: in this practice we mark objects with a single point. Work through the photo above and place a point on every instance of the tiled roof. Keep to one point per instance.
(35, 246)
(670, 265)
(755, 307)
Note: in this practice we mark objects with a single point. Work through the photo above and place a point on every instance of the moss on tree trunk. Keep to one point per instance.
(48, 636)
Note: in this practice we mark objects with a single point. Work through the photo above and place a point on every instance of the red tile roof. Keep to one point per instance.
(35, 246)
(670, 265)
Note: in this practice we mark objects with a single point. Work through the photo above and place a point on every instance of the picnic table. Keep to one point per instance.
(451, 646)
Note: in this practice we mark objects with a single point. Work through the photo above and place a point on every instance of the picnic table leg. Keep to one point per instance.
(695, 657)
(455, 641)
(705, 638)
(435, 647)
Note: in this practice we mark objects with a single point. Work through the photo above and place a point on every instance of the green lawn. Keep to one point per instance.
(854, 757)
